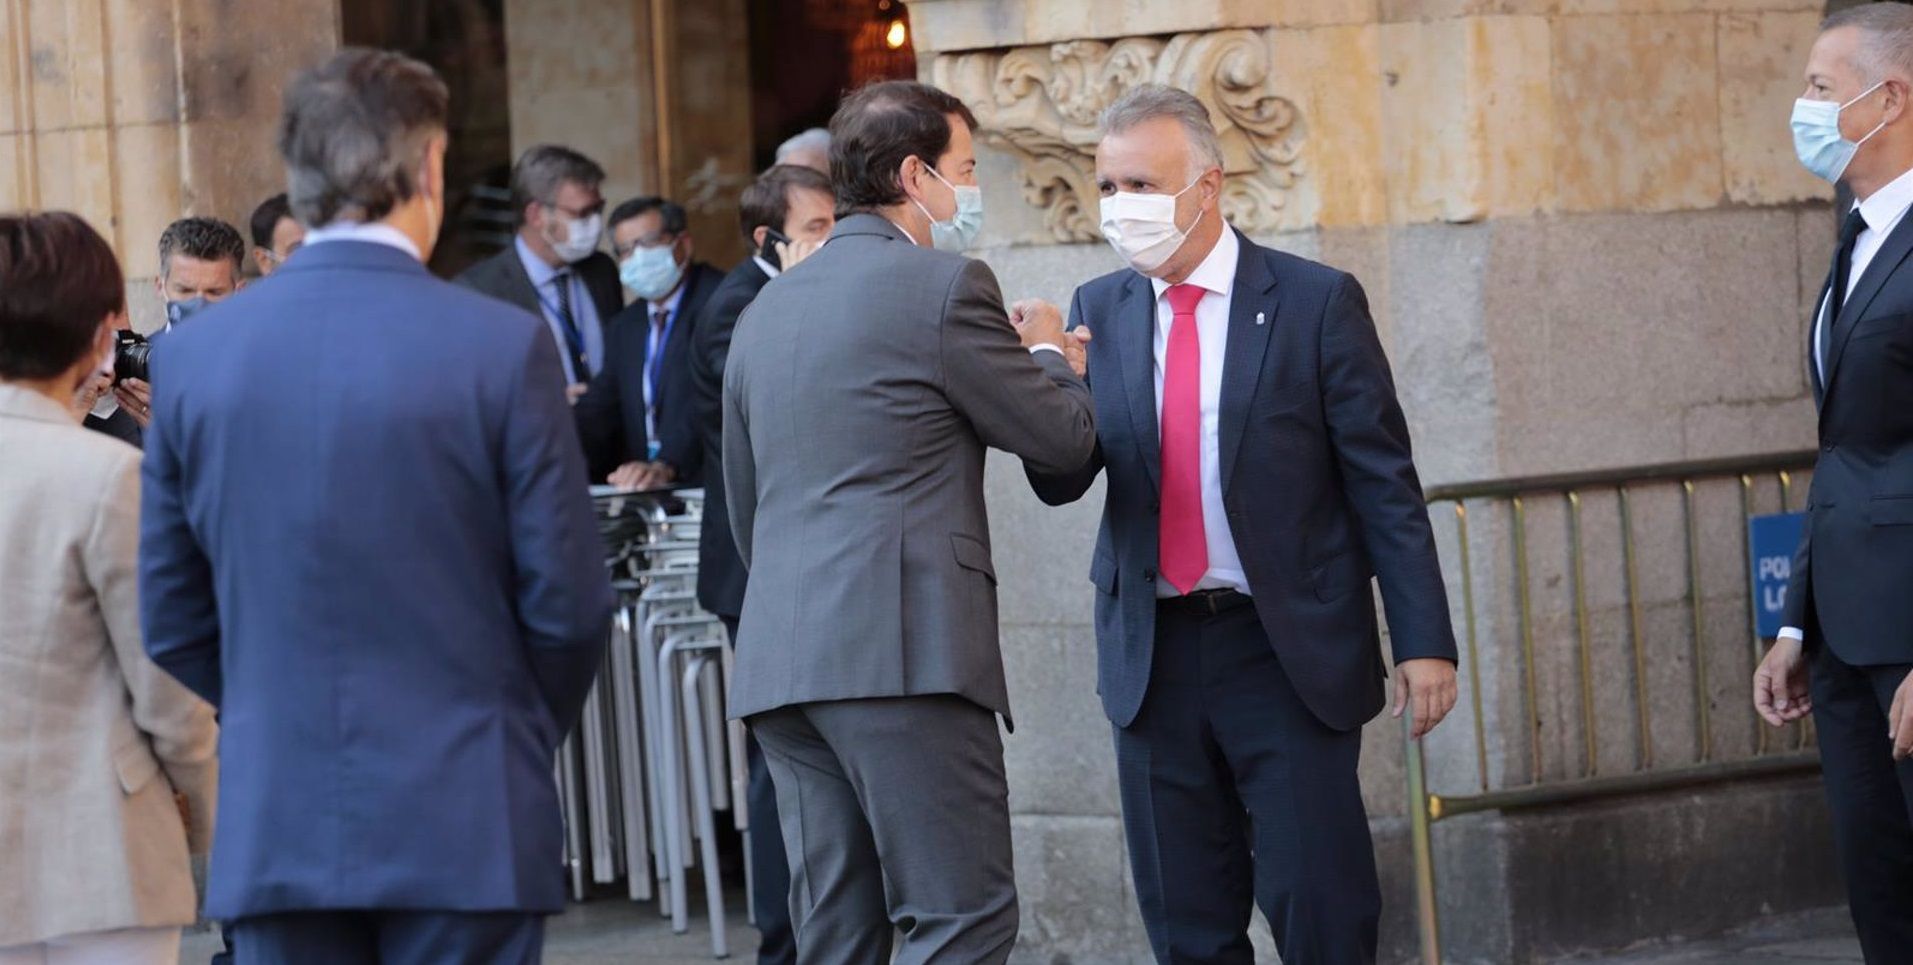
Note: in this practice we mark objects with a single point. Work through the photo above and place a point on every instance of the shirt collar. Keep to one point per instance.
(1888, 204)
(670, 302)
(374, 233)
(541, 274)
(1217, 272)
(769, 269)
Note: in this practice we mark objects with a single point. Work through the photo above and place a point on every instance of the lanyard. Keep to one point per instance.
(580, 359)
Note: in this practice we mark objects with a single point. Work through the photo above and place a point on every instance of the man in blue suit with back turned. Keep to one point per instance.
(1259, 475)
(366, 537)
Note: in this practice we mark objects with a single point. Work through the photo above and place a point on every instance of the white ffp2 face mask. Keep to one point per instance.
(1142, 227)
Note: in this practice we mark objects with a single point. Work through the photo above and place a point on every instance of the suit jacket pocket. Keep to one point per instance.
(1891, 510)
(971, 554)
(136, 767)
(1338, 577)
(1102, 573)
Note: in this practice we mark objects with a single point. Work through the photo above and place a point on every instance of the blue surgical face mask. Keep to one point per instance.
(177, 312)
(651, 273)
(958, 233)
(1817, 140)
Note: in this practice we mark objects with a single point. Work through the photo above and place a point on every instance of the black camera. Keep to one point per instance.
(130, 350)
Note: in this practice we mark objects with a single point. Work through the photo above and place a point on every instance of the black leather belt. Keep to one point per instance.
(1204, 602)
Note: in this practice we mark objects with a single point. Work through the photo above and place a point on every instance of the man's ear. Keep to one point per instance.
(758, 234)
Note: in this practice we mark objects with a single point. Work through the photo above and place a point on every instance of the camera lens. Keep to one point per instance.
(129, 356)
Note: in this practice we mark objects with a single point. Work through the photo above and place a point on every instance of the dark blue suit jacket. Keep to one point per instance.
(611, 413)
(1317, 480)
(1850, 574)
(366, 538)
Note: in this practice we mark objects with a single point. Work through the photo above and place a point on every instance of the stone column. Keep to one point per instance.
(136, 112)
(586, 73)
(1587, 244)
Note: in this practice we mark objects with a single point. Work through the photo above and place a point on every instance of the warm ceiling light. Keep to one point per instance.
(897, 35)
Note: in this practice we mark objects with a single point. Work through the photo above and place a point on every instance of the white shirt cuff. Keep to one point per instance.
(1791, 633)
(1045, 347)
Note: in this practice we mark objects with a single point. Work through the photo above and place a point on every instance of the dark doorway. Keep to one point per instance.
(806, 53)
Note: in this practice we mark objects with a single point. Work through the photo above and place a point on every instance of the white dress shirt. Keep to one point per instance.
(1882, 211)
(584, 311)
(769, 269)
(1217, 275)
(375, 233)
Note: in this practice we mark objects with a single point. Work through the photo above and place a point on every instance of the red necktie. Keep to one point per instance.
(1184, 546)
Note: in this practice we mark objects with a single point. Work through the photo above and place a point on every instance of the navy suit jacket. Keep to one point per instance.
(366, 537)
(611, 414)
(1318, 484)
(1850, 574)
(720, 570)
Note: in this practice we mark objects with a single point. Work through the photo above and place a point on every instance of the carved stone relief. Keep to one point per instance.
(1041, 106)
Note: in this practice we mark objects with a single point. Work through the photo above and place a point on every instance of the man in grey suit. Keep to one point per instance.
(861, 390)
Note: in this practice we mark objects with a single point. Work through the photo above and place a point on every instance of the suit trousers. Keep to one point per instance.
(1870, 796)
(390, 938)
(126, 946)
(770, 867)
(896, 818)
(1235, 795)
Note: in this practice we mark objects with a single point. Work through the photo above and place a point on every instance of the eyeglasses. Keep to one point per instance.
(621, 252)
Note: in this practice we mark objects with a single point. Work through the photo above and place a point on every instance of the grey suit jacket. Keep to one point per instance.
(861, 390)
(94, 739)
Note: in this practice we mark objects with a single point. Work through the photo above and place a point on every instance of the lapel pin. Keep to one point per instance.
(1259, 319)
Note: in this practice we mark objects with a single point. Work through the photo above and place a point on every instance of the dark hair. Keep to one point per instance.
(207, 239)
(545, 168)
(266, 217)
(767, 200)
(58, 282)
(675, 221)
(876, 128)
(354, 133)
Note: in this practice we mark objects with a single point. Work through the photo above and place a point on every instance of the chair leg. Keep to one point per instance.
(701, 783)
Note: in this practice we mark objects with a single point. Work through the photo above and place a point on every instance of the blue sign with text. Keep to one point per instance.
(1772, 541)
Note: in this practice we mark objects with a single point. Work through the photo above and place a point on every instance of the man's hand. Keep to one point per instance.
(89, 393)
(791, 254)
(1076, 349)
(643, 475)
(1780, 684)
(136, 397)
(1899, 720)
(576, 391)
(1038, 322)
(1427, 685)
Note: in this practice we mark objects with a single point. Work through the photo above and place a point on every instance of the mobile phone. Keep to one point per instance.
(768, 251)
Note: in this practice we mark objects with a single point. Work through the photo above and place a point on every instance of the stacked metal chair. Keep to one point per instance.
(654, 758)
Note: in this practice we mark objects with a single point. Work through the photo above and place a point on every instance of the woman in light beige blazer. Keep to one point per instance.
(107, 766)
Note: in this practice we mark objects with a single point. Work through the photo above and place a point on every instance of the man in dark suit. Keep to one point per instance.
(1846, 654)
(860, 393)
(553, 268)
(786, 214)
(1237, 646)
(375, 553)
(625, 416)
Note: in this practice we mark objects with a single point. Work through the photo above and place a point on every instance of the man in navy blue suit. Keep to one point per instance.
(1259, 476)
(366, 538)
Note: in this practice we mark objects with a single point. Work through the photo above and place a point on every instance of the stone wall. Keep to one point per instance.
(1587, 245)
(136, 112)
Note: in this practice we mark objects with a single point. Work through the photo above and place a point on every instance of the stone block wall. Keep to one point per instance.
(135, 112)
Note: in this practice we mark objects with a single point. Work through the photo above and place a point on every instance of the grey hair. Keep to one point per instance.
(1147, 102)
(354, 134)
(1886, 38)
(816, 139)
(545, 168)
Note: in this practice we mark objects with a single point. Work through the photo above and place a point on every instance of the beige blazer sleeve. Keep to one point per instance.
(178, 725)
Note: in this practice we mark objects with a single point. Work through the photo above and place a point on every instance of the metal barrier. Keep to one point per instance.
(1705, 764)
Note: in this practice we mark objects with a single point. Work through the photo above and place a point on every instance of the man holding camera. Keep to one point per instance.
(199, 264)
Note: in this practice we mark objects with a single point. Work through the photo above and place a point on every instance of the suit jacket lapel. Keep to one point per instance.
(1136, 342)
(1884, 264)
(1251, 318)
(523, 293)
